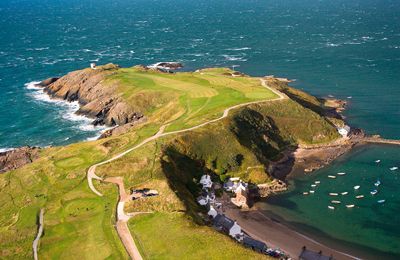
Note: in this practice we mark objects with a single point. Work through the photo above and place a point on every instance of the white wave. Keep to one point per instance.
(68, 109)
(234, 58)
(2, 150)
(332, 44)
(238, 49)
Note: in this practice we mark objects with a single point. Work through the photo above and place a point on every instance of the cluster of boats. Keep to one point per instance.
(356, 188)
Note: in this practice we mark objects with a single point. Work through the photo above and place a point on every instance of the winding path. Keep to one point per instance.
(39, 234)
(122, 217)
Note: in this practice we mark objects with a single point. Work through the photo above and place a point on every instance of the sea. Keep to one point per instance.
(349, 49)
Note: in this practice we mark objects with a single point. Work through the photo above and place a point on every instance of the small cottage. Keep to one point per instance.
(93, 66)
(344, 131)
(212, 212)
(206, 181)
(254, 244)
(228, 226)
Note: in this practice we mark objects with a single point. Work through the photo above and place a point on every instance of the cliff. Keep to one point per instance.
(16, 158)
(97, 100)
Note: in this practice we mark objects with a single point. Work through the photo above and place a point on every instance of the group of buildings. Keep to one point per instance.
(224, 224)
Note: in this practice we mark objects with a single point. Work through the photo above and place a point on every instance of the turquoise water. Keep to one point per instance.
(369, 227)
(342, 48)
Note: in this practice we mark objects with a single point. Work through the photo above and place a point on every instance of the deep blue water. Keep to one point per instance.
(346, 48)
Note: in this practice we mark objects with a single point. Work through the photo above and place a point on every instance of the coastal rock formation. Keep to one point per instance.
(270, 188)
(97, 100)
(17, 158)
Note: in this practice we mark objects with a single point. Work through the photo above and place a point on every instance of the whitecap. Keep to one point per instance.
(2, 150)
(238, 49)
(234, 58)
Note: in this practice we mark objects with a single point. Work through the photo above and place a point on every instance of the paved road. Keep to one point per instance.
(39, 234)
(122, 218)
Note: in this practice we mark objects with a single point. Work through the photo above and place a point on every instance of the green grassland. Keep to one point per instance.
(186, 99)
(79, 224)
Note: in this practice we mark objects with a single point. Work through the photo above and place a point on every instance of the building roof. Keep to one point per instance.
(223, 222)
(311, 255)
(251, 242)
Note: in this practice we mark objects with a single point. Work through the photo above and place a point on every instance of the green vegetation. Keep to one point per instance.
(79, 224)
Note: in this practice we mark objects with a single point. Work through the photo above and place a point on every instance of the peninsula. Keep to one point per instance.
(169, 131)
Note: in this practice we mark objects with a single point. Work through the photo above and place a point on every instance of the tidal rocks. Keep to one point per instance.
(97, 99)
(14, 159)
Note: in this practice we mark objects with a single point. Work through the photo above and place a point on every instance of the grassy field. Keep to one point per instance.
(186, 99)
(79, 224)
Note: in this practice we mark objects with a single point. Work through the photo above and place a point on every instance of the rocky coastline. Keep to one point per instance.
(16, 158)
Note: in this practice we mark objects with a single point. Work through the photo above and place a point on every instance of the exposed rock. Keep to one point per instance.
(97, 100)
(119, 130)
(17, 158)
(272, 187)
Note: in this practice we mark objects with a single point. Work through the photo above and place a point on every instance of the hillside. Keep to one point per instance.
(244, 143)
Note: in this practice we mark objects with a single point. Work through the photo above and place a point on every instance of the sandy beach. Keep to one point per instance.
(277, 235)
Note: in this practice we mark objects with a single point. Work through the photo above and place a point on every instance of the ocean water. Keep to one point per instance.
(346, 48)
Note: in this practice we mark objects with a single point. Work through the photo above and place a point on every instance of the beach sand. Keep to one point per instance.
(277, 235)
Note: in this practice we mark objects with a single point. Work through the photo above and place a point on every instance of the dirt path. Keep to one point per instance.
(39, 234)
(122, 217)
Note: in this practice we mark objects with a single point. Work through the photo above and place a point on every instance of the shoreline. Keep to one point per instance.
(278, 235)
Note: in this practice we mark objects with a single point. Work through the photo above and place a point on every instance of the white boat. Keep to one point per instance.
(332, 176)
(333, 194)
(312, 191)
(313, 185)
(377, 183)
(317, 182)
(341, 173)
(345, 193)
(381, 201)
(336, 201)
(356, 187)
(331, 207)
(378, 161)
(393, 168)
(305, 193)
(350, 206)
(374, 192)
(359, 196)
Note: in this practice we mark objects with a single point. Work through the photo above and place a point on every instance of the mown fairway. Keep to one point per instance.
(188, 98)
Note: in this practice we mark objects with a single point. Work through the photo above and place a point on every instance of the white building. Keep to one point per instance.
(203, 200)
(344, 131)
(206, 181)
(212, 212)
(93, 66)
(235, 230)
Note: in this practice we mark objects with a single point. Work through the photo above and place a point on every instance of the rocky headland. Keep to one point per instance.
(13, 159)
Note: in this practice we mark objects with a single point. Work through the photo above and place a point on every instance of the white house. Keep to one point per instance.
(206, 181)
(212, 212)
(344, 131)
(235, 230)
(203, 200)
(241, 187)
(93, 66)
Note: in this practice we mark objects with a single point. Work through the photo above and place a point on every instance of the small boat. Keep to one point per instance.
(377, 183)
(359, 196)
(381, 201)
(374, 192)
(331, 207)
(333, 194)
(317, 182)
(313, 185)
(350, 206)
(312, 191)
(332, 176)
(378, 161)
(349, 97)
(345, 193)
(393, 168)
(356, 187)
(336, 201)
(341, 173)
(305, 193)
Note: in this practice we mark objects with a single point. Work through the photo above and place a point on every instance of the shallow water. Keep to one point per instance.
(349, 49)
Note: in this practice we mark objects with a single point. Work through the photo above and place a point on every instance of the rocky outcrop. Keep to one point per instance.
(272, 187)
(17, 158)
(97, 99)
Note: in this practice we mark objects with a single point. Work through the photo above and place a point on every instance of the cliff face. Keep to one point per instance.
(97, 100)
(14, 159)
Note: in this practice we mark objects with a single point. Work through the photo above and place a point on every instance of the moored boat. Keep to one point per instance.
(336, 201)
(374, 192)
(317, 182)
(341, 173)
(331, 207)
(350, 206)
(359, 196)
(312, 191)
(377, 183)
(305, 193)
(332, 176)
(313, 185)
(378, 161)
(345, 193)
(333, 194)
(381, 201)
(356, 187)
(393, 168)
